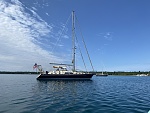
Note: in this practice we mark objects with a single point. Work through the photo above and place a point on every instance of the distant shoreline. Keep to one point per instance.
(125, 73)
(109, 73)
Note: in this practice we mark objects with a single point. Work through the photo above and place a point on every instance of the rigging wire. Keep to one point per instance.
(80, 53)
(63, 29)
(85, 44)
(58, 39)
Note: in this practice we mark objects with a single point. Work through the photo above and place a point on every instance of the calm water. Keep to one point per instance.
(112, 94)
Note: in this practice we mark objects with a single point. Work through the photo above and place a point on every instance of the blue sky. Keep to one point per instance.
(116, 32)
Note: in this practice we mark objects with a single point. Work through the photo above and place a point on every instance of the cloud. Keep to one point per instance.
(108, 35)
(19, 34)
(47, 14)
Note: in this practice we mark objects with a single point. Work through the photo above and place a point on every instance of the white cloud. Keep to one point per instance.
(66, 36)
(107, 36)
(18, 33)
(47, 14)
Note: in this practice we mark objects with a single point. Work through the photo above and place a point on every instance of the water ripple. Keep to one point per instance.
(111, 94)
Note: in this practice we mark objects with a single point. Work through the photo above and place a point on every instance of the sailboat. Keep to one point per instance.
(61, 71)
(101, 74)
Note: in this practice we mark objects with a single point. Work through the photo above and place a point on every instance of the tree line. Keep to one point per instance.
(18, 72)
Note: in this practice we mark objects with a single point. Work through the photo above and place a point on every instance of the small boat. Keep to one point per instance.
(61, 71)
(142, 75)
(101, 74)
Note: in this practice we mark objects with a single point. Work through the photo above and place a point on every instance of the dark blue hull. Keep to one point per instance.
(64, 76)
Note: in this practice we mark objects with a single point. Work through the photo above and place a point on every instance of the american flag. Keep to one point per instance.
(35, 66)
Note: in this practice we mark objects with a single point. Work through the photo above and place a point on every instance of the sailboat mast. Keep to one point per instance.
(73, 40)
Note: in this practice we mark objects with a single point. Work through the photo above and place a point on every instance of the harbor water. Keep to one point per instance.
(112, 94)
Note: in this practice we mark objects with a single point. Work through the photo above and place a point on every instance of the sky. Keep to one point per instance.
(116, 33)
